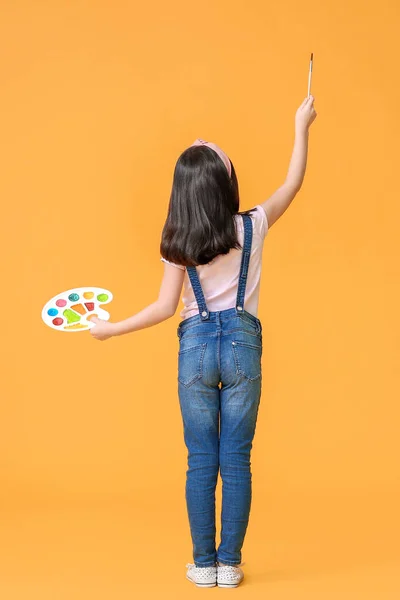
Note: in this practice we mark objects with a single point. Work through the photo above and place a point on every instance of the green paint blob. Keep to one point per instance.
(102, 297)
(71, 316)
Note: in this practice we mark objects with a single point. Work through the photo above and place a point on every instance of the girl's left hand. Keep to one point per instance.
(102, 330)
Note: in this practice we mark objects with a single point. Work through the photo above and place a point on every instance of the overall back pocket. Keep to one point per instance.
(247, 358)
(190, 364)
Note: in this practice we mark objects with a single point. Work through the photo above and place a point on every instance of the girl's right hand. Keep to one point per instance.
(305, 114)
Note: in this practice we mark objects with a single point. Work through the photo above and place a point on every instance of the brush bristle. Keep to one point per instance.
(312, 55)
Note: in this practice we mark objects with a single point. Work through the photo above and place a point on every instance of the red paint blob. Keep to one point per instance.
(61, 302)
(58, 321)
(89, 305)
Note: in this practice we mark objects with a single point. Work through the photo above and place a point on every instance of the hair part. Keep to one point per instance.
(200, 222)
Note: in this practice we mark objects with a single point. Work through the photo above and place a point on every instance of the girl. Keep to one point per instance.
(215, 252)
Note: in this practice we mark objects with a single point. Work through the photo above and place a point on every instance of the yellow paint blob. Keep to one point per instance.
(76, 326)
(88, 295)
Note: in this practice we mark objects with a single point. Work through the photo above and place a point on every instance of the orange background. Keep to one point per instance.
(98, 99)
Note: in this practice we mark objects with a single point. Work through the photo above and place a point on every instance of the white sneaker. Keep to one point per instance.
(202, 576)
(229, 576)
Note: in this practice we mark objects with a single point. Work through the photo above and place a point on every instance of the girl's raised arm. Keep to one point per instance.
(280, 200)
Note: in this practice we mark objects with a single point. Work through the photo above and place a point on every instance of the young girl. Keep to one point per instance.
(215, 252)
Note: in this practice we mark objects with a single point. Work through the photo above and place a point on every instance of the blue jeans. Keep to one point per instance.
(219, 383)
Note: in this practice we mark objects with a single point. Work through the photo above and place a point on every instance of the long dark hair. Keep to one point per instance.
(204, 199)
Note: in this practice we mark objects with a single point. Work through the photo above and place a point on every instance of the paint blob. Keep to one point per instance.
(88, 295)
(102, 297)
(73, 297)
(71, 316)
(79, 308)
(58, 321)
(52, 312)
(61, 303)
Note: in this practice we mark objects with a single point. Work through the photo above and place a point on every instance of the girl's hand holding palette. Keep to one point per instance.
(72, 310)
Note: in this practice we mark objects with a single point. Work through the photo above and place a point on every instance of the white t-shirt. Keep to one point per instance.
(219, 278)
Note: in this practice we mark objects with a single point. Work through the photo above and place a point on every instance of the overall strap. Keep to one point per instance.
(198, 292)
(244, 266)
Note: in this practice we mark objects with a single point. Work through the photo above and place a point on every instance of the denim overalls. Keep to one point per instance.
(219, 383)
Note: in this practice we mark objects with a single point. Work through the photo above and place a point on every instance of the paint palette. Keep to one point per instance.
(73, 309)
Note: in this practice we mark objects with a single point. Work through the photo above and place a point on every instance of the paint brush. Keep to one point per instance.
(310, 73)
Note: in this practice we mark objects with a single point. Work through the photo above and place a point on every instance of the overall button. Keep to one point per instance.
(240, 307)
(204, 313)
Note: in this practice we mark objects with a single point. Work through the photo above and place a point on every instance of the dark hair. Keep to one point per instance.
(200, 223)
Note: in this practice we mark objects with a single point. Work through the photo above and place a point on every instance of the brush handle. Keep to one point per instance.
(310, 75)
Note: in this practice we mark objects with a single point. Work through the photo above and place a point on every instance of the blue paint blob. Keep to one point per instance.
(52, 312)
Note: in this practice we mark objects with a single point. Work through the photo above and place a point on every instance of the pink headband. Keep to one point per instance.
(218, 150)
